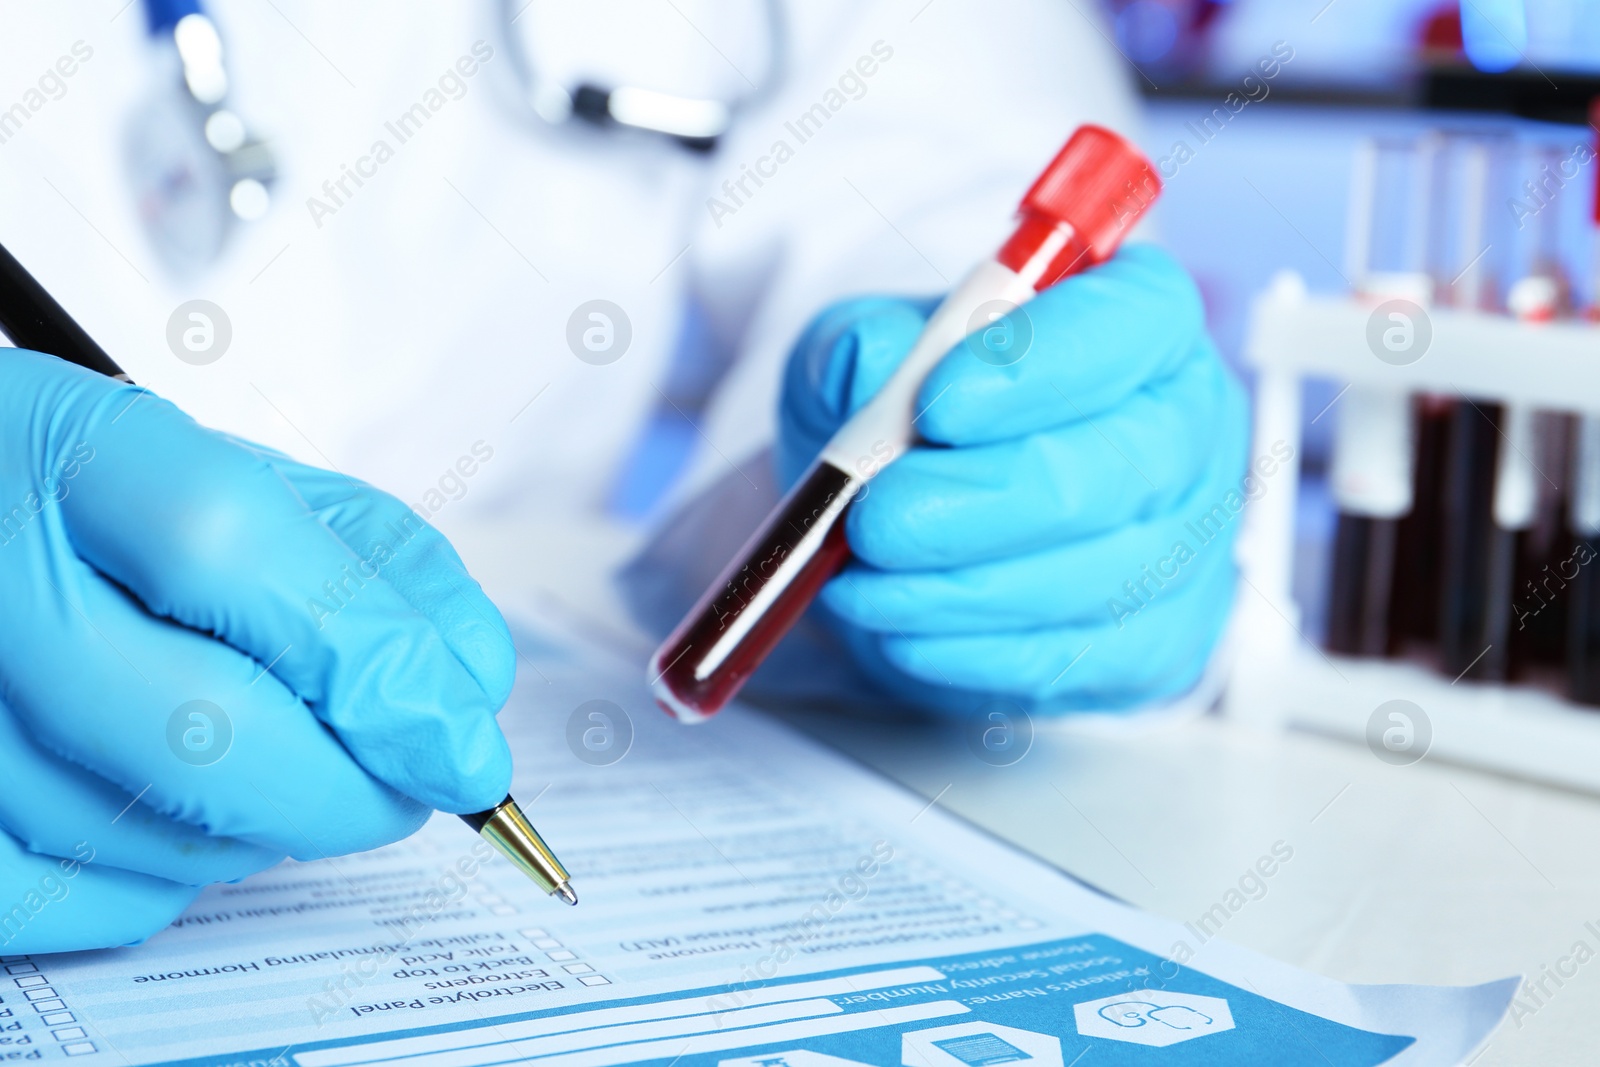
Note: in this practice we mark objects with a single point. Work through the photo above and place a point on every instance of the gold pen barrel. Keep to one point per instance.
(513, 836)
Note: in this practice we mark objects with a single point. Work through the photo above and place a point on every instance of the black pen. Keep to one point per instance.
(31, 318)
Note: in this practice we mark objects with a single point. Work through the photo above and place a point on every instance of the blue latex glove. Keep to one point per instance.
(989, 559)
(146, 562)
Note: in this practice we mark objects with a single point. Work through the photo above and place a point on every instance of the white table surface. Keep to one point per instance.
(1428, 873)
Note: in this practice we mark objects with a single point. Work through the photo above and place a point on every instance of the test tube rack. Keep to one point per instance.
(1278, 677)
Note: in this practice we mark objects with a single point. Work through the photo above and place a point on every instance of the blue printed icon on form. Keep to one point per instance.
(1139, 1012)
(798, 1057)
(982, 1050)
(978, 1044)
(1156, 1019)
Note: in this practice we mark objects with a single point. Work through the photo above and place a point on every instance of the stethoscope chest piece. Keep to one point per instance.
(195, 169)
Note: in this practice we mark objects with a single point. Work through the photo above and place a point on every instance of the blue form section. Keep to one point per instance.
(1030, 988)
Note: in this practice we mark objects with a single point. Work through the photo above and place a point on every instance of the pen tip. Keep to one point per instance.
(564, 891)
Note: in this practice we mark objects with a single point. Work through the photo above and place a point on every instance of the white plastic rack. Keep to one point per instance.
(1281, 679)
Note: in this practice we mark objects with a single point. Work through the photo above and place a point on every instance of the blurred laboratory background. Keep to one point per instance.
(1408, 281)
(1323, 161)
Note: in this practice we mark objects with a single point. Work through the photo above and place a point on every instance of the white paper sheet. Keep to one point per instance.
(749, 899)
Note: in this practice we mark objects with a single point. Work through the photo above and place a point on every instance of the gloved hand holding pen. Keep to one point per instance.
(152, 571)
(987, 560)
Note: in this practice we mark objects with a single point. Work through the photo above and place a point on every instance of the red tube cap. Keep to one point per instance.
(1100, 184)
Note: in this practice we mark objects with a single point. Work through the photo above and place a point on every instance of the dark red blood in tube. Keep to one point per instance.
(1594, 122)
(1076, 215)
(767, 588)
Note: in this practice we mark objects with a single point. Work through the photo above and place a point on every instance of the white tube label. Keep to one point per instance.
(1586, 477)
(1372, 453)
(1516, 487)
(883, 430)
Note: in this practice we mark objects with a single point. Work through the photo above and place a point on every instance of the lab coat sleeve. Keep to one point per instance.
(889, 159)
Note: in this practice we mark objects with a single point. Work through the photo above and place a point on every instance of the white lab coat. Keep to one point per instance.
(421, 318)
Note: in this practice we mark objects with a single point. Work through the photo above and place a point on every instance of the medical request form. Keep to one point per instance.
(750, 899)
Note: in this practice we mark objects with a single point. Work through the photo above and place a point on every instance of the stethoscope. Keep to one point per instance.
(695, 123)
(198, 171)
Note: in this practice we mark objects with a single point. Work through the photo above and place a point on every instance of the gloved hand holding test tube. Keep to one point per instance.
(1074, 217)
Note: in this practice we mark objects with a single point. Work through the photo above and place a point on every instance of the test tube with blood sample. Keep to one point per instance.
(1583, 605)
(1371, 474)
(1072, 218)
(1471, 605)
